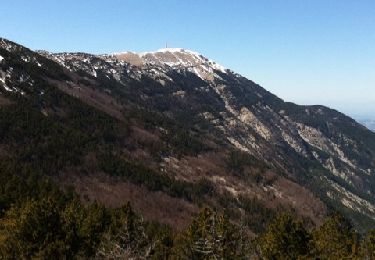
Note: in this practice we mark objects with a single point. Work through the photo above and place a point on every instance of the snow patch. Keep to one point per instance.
(175, 58)
(179, 93)
(8, 89)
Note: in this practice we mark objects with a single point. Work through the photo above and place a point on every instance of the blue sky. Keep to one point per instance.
(308, 52)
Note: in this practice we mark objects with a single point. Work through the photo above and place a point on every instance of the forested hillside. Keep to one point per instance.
(173, 159)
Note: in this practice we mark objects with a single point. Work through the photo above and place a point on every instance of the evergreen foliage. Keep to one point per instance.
(336, 239)
(285, 238)
(58, 226)
(210, 236)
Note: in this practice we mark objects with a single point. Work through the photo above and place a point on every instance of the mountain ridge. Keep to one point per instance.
(321, 153)
(369, 123)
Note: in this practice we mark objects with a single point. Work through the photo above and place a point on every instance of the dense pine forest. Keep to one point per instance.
(50, 224)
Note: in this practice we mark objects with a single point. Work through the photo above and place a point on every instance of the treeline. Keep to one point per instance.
(58, 227)
(38, 220)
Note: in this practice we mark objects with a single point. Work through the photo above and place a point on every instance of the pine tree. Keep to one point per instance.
(368, 246)
(284, 238)
(335, 239)
(126, 237)
(210, 236)
(33, 230)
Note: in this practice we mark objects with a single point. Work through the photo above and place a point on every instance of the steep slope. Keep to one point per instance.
(370, 124)
(198, 123)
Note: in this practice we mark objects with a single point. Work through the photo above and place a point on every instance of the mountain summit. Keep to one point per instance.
(183, 130)
(173, 58)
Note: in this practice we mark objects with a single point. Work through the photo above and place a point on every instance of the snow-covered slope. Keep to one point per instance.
(174, 58)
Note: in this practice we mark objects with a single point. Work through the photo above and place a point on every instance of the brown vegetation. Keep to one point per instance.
(115, 192)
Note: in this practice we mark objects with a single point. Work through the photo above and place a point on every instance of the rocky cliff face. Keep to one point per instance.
(316, 152)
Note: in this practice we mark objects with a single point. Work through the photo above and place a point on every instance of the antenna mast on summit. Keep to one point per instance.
(166, 45)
